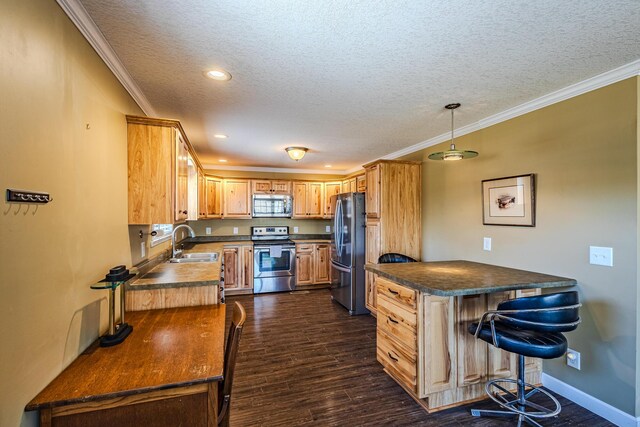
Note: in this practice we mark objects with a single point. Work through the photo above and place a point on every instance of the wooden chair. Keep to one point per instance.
(231, 351)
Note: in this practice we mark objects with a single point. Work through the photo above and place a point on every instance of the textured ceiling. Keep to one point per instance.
(354, 80)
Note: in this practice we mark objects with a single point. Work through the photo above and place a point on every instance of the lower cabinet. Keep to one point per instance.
(313, 266)
(237, 267)
(423, 343)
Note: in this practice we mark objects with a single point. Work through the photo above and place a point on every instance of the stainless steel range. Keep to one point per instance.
(274, 260)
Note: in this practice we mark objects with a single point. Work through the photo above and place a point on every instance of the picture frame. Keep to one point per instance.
(509, 201)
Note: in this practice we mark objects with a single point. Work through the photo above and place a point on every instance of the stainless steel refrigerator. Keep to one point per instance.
(348, 252)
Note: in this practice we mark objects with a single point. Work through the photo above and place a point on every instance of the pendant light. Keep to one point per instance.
(452, 153)
(296, 153)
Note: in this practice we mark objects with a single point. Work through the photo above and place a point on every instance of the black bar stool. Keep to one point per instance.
(393, 257)
(531, 327)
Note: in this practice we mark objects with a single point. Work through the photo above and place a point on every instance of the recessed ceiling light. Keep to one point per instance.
(218, 75)
(327, 166)
(223, 160)
(220, 136)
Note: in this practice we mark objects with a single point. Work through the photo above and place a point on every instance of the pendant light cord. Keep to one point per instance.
(453, 146)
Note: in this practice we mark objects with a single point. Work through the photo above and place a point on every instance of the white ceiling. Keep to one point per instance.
(354, 80)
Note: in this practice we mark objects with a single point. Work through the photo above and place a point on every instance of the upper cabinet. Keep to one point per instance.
(331, 189)
(158, 171)
(202, 195)
(308, 200)
(237, 198)
(361, 183)
(270, 187)
(213, 203)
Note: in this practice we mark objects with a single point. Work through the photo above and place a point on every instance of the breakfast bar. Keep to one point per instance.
(424, 309)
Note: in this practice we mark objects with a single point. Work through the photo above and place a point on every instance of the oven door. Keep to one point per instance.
(268, 263)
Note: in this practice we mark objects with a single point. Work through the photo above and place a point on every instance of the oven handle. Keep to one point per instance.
(289, 247)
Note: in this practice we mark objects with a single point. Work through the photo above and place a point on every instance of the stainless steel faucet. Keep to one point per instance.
(175, 252)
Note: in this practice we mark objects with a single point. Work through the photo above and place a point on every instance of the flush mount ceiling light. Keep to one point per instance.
(223, 160)
(327, 166)
(296, 153)
(218, 74)
(220, 136)
(452, 153)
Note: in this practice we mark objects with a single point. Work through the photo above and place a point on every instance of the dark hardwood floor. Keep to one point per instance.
(304, 361)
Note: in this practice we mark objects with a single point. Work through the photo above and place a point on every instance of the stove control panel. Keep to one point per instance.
(270, 231)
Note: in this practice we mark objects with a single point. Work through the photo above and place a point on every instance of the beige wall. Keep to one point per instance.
(224, 227)
(584, 154)
(53, 84)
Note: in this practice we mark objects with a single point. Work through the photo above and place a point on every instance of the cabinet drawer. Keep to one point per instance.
(397, 360)
(399, 294)
(397, 322)
(304, 248)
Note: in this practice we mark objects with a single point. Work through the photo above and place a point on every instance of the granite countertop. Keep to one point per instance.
(178, 275)
(454, 278)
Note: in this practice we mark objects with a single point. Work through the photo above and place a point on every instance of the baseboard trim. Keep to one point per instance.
(597, 406)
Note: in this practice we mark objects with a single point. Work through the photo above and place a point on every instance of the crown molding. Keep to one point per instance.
(609, 77)
(79, 16)
(276, 170)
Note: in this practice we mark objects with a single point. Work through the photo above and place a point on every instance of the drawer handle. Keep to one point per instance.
(392, 291)
(392, 358)
(392, 319)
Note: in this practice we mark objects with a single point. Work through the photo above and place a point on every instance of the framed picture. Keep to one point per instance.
(509, 201)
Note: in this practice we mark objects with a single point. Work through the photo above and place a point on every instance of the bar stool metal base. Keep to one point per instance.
(516, 404)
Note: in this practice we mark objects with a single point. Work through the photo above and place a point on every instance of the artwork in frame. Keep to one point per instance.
(509, 201)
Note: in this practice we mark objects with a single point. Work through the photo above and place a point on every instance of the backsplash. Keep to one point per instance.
(224, 227)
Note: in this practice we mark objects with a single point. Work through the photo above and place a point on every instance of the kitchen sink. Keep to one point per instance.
(196, 257)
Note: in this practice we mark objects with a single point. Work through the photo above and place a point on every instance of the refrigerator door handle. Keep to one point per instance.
(339, 268)
(338, 227)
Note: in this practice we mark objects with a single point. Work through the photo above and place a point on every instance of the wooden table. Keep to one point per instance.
(165, 373)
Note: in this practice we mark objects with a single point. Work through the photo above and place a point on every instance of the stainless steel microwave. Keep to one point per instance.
(271, 206)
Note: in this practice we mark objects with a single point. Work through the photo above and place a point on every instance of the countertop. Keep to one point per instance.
(165, 350)
(454, 278)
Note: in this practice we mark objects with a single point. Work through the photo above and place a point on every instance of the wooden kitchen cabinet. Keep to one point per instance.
(313, 264)
(361, 183)
(237, 198)
(349, 185)
(237, 266)
(393, 208)
(157, 158)
(308, 200)
(270, 187)
(330, 189)
(202, 195)
(214, 196)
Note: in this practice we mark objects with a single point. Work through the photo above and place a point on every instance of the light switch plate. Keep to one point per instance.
(327, 229)
(235, 230)
(295, 229)
(486, 244)
(207, 230)
(601, 256)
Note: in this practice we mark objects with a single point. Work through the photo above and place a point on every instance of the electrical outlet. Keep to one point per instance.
(207, 230)
(573, 359)
(143, 249)
(235, 230)
(295, 229)
(601, 256)
(486, 244)
(327, 229)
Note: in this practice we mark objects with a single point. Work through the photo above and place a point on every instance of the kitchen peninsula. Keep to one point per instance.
(424, 310)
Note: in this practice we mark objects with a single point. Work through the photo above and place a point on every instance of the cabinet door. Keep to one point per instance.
(330, 189)
(202, 195)
(304, 268)
(214, 198)
(261, 187)
(361, 183)
(352, 186)
(237, 202)
(373, 191)
(472, 352)
(345, 185)
(372, 253)
(299, 200)
(182, 179)
(247, 267)
(281, 187)
(439, 343)
(314, 199)
(150, 158)
(371, 299)
(232, 279)
(322, 268)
